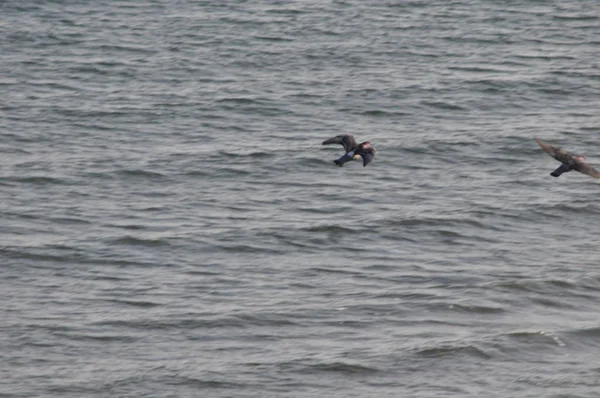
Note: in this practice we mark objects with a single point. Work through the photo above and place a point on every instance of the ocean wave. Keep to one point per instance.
(39, 180)
(140, 241)
(132, 303)
(331, 229)
(250, 155)
(530, 340)
(340, 367)
(200, 321)
(469, 309)
(454, 351)
(140, 173)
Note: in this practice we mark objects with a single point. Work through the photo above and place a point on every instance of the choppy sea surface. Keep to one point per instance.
(170, 225)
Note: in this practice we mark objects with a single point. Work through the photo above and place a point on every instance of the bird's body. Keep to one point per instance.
(568, 161)
(353, 150)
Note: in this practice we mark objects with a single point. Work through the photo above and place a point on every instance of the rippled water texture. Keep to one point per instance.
(172, 226)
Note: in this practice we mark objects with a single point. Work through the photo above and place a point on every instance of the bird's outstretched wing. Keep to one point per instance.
(549, 149)
(585, 168)
(557, 153)
(346, 140)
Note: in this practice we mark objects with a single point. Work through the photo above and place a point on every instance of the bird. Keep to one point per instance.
(353, 150)
(568, 161)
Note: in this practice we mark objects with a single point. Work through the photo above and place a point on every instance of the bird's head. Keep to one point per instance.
(366, 146)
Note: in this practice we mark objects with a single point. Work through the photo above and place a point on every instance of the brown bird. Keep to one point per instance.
(568, 160)
(353, 150)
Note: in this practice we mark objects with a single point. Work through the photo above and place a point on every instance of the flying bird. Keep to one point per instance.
(353, 150)
(568, 161)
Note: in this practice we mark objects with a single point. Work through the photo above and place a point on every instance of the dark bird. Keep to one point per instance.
(568, 161)
(353, 150)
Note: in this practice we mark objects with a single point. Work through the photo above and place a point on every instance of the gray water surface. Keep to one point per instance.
(172, 227)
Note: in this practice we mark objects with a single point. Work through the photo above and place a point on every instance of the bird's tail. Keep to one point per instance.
(563, 168)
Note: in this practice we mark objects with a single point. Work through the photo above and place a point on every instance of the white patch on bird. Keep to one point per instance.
(351, 153)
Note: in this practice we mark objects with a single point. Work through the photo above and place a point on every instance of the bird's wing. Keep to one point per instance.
(557, 153)
(367, 157)
(585, 168)
(346, 140)
(549, 149)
